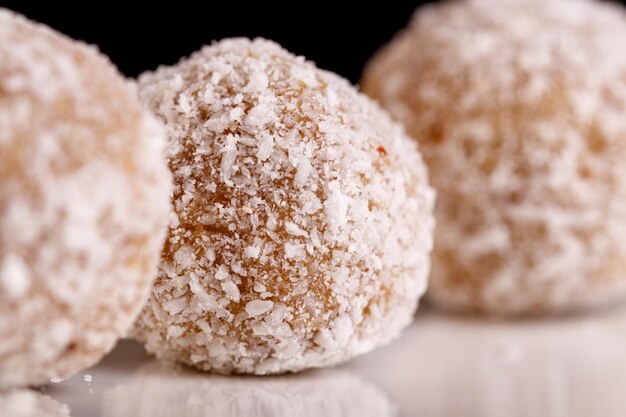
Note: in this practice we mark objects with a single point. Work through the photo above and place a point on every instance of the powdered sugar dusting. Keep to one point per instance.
(519, 107)
(83, 203)
(309, 244)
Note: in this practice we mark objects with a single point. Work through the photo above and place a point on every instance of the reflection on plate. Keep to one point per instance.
(165, 390)
(442, 366)
(446, 366)
(29, 403)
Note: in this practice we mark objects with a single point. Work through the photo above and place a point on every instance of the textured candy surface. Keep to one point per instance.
(302, 221)
(83, 203)
(519, 108)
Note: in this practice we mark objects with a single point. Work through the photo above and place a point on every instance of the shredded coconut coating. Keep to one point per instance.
(28, 403)
(520, 110)
(302, 215)
(84, 201)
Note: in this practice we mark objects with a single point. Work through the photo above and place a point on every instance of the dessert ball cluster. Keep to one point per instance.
(83, 203)
(518, 107)
(302, 215)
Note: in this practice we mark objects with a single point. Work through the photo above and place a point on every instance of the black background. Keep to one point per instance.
(142, 40)
(337, 40)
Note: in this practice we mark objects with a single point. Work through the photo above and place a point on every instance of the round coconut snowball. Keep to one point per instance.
(302, 216)
(520, 110)
(84, 201)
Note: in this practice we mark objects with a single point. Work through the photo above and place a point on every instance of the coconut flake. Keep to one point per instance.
(257, 307)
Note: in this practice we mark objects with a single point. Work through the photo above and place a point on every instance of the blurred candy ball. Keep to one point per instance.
(520, 110)
(28, 403)
(84, 192)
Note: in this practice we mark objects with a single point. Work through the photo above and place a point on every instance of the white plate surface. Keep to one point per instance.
(442, 367)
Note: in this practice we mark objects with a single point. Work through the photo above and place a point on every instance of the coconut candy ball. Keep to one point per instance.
(520, 110)
(84, 189)
(302, 216)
